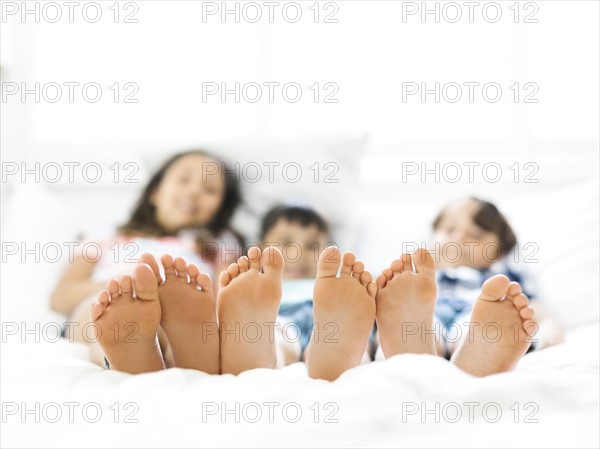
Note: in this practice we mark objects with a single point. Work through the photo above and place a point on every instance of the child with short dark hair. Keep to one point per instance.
(301, 233)
(475, 242)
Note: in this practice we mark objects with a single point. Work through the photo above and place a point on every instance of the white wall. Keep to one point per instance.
(368, 54)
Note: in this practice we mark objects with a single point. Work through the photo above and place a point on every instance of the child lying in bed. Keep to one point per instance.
(345, 307)
(186, 198)
(301, 233)
(475, 242)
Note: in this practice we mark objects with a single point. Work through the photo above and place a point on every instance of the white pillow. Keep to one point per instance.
(35, 218)
(564, 225)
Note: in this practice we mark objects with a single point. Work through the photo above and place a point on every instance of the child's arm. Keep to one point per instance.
(74, 286)
(550, 331)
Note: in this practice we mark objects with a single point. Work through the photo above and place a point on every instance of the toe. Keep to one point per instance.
(144, 283)
(254, 258)
(366, 278)
(397, 266)
(423, 261)
(180, 267)
(329, 262)
(104, 297)
(233, 270)
(126, 284)
(96, 310)
(407, 264)
(388, 273)
(150, 260)
(530, 327)
(514, 289)
(272, 262)
(357, 269)
(520, 301)
(494, 288)
(381, 281)
(372, 290)
(243, 264)
(224, 279)
(347, 262)
(167, 263)
(113, 288)
(193, 271)
(204, 281)
(526, 313)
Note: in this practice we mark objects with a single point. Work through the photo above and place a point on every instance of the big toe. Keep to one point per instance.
(329, 262)
(150, 260)
(272, 262)
(145, 283)
(494, 288)
(424, 261)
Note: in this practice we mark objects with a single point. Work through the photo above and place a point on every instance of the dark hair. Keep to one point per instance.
(490, 219)
(143, 218)
(304, 216)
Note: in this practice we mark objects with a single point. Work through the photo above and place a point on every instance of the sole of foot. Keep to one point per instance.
(501, 331)
(344, 313)
(247, 306)
(189, 313)
(126, 319)
(406, 304)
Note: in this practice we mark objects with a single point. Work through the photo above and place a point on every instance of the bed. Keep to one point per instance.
(52, 396)
(550, 400)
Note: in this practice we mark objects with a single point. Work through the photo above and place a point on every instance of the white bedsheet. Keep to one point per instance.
(373, 402)
(562, 381)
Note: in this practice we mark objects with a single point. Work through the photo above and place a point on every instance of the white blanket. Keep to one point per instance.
(407, 401)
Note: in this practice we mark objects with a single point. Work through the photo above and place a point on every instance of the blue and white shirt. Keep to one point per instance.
(459, 287)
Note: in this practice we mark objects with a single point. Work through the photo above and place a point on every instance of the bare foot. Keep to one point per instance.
(501, 330)
(248, 301)
(189, 313)
(405, 305)
(344, 311)
(126, 319)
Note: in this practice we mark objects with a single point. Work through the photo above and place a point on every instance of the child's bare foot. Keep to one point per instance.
(405, 305)
(344, 311)
(189, 313)
(501, 329)
(249, 297)
(126, 319)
